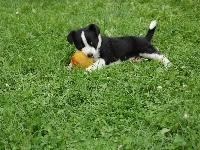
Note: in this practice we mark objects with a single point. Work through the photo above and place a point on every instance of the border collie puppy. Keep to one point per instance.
(109, 51)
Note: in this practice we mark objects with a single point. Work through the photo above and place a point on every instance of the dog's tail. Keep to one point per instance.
(151, 30)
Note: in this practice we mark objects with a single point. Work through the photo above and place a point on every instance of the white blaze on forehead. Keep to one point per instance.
(99, 42)
(84, 39)
(86, 43)
(89, 49)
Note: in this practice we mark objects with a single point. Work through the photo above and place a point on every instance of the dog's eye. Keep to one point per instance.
(92, 43)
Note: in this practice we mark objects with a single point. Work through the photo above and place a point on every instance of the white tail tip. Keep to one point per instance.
(152, 24)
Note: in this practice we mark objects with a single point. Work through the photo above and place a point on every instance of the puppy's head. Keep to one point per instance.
(86, 39)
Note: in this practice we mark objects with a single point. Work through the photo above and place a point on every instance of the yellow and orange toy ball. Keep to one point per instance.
(79, 59)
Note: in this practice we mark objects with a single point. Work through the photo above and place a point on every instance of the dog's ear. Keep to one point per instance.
(94, 28)
(70, 37)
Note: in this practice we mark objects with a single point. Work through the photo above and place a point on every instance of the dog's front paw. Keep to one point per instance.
(169, 64)
(90, 68)
(69, 66)
(97, 65)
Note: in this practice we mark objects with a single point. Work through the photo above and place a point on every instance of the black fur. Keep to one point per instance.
(124, 48)
(118, 48)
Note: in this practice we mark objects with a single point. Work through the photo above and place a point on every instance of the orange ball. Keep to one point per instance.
(79, 59)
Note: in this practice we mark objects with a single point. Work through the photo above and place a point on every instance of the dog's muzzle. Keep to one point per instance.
(90, 55)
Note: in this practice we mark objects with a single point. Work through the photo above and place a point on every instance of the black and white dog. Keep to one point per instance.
(109, 51)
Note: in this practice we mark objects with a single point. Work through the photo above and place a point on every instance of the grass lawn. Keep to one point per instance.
(43, 105)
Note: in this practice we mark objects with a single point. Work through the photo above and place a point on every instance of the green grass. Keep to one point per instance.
(43, 105)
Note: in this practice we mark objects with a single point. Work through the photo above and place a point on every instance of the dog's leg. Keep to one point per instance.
(97, 65)
(135, 59)
(115, 63)
(155, 56)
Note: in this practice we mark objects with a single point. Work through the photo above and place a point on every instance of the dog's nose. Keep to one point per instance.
(90, 55)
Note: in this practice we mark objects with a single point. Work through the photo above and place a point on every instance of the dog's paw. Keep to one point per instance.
(169, 64)
(97, 65)
(135, 59)
(90, 68)
(93, 67)
(69, 66)
(166, 62)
